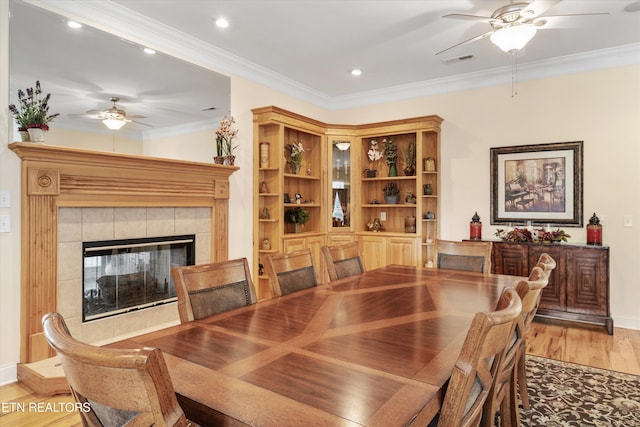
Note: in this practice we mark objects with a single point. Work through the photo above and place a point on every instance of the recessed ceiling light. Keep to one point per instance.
(356, 72)
(149, 51)
(73, 24)
(222, 23)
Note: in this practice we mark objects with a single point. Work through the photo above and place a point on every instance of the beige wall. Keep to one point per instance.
(600, 107)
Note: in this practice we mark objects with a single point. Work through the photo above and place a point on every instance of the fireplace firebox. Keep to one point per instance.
(120, 276)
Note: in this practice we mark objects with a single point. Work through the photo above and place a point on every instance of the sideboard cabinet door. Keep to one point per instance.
(554, 295)
(587, 292)
(510, 259)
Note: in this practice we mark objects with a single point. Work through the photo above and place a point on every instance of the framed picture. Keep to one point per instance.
(541, 183)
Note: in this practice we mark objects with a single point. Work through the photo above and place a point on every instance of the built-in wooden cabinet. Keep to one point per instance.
(339, 196)
(578, 288)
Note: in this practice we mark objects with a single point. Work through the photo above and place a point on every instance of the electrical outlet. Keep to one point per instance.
(5, 199)
(383, 216)
(5, 224)
(627, 220)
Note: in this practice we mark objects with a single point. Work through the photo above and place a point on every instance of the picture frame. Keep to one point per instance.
(539, 183)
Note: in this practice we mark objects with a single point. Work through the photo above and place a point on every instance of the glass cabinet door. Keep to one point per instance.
(341, 168)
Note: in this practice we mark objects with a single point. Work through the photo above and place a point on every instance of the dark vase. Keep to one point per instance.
(218, 160)
(371, 173)
(409, 170)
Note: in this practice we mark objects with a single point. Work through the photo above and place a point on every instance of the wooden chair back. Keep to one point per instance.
(478, 362)
(503, 395)
(343, 260)
(207, 289)
(465, 255)
(291, 272)
(546, 263)
(115, 386)
(530, 292)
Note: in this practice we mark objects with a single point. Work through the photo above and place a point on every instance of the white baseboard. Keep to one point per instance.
(8, 374)
(626, 322)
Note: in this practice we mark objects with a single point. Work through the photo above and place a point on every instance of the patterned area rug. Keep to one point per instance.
(566, 394)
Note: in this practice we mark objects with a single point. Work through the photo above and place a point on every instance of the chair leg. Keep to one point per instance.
(522, 376)
(512, 399)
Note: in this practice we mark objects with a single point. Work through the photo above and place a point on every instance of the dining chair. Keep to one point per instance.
(291, 272)
(207, 289)
(538, 280)
(503, 396)
(343, 260)
(113, 386)
(465, 255)
(478, 363)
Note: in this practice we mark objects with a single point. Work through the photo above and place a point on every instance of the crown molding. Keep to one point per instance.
(112, 18)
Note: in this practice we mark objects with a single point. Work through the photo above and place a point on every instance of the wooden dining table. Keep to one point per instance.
(375, 349)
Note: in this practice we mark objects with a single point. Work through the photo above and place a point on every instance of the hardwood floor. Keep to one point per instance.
(587, 345)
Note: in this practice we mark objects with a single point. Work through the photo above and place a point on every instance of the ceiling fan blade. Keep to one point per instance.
(135, 116)
(140, 123)
(559, 21)
(471, 40)
(470, 17)
(86, 116)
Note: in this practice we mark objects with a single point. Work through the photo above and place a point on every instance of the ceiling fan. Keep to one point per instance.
(113, 118)
(514, 24)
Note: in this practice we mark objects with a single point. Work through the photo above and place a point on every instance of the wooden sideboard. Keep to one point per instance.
(578, 288)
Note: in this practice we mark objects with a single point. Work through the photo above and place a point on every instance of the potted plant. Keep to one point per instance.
(297, 217)
(410, 159)
(224, 141)
(391, 153)
(391, 193)
(374, 155)
(32, 113)
(295, 151)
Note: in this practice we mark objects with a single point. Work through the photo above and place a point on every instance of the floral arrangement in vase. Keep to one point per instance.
(391, 153)
(410, 159)
(225, 133)
(295, 150)
(32, 112)
(374, 154)
(523, 235)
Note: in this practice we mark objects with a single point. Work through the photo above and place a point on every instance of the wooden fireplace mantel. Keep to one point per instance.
(54, 177)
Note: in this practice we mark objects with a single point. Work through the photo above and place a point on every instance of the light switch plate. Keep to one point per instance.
(383, 216)
(627, 220)
(5, 199)
(5, 224)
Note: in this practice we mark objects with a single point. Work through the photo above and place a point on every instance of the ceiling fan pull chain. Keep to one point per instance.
(514, 74)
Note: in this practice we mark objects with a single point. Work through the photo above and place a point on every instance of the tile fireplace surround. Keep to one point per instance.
(119, 196)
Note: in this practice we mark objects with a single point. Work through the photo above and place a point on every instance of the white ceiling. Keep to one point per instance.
(308, 47)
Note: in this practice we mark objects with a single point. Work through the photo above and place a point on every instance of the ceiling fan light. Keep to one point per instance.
(114, 124)
(513, 38)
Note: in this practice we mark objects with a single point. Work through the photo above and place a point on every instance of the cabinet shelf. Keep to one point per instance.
(268, 220)
(268, 194)
(296, 176)
(390, 178)
(395, 205)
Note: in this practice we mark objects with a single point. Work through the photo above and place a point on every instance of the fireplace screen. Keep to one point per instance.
(125, 275)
